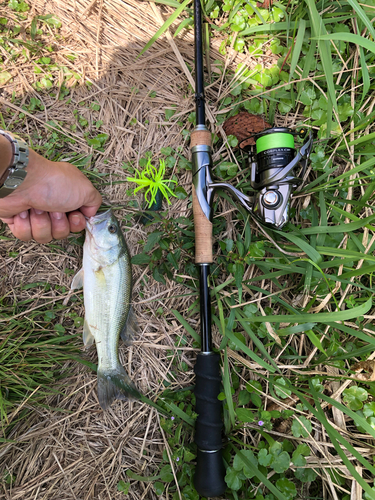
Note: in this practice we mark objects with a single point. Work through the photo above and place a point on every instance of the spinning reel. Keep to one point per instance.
(273, 178)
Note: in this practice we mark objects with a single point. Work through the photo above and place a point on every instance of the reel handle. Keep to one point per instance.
(210, 471)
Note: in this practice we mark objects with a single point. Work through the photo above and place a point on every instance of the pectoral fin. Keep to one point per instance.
(77, 280)
(130, 328)
(87, 336)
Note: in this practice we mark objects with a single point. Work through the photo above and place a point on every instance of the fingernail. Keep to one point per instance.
(76, 220)
(57, 215)
(24, 215)
(39, 212)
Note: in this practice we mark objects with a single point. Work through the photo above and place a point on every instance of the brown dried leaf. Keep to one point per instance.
(244, 125)
(368, 366)
(265, 4)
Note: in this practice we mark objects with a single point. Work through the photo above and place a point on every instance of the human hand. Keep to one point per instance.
(53, 200)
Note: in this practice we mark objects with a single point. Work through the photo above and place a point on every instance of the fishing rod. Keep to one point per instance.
(273, 178)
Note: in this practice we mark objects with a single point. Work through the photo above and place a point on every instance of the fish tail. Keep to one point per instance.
(115, 384)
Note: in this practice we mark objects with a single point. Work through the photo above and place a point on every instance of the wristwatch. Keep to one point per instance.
(15, 174)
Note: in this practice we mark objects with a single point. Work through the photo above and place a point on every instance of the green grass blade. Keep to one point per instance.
(351, 38)
(365, 74)
(297, 47)
(180, 413)
(284, 26)
(318, 28)
(342, 252)
(355, 333)
(188, 328)
(227, 390)
(336, 438)
(165, 26)
(355, 312)
(359, 12)
(304, 246)
(360, 140)
(170, 3)
(250, 353)
(340, 228)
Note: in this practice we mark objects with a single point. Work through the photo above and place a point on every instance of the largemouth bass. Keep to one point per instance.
(106, 277)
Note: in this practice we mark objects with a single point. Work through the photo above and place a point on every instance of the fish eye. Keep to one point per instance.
(112, 228)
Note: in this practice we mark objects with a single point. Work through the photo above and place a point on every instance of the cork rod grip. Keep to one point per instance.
(199, 137)
(203, 234)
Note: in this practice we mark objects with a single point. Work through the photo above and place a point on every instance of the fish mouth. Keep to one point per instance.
(100, 217)
(97, 219)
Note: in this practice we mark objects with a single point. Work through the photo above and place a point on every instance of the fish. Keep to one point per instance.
(106, 277)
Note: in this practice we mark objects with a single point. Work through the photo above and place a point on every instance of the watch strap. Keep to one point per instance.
(15, 173)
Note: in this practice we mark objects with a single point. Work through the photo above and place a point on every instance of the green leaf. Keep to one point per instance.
(141, 259)
(166, 473)
(159, 488)
(262, 478)
(287, 487)
(315, 341)
(299, 455)
(264, 458)
(301, 427)
(169, 113)
(239, 464)
(308, 96)
(280, 462)
(232, 479)
(166, 25)
(305, 475)
(354, 397)
(369, 409)
(245, 415)
(5, 76)
(123, 487)
(243, 397)
(256, 400)
(282, 391)
(232, 141)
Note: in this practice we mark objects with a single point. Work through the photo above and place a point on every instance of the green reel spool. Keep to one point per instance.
(274, 140)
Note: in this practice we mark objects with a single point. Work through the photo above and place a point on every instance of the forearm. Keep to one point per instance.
(5, 154)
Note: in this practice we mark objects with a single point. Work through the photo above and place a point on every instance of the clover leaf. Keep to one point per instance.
(354, 397)
(301, 427)
(286, 487)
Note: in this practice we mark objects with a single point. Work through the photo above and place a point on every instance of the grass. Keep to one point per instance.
(292, 310)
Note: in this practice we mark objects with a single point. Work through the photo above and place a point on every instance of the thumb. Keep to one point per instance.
(90, 209)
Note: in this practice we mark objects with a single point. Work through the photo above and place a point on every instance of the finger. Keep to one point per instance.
(77, 221)
(90, 208)
(7, 220)
(21, 227)
(40, 226)
(60, 225)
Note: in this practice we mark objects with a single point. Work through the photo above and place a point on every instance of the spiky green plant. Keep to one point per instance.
(152, 179)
